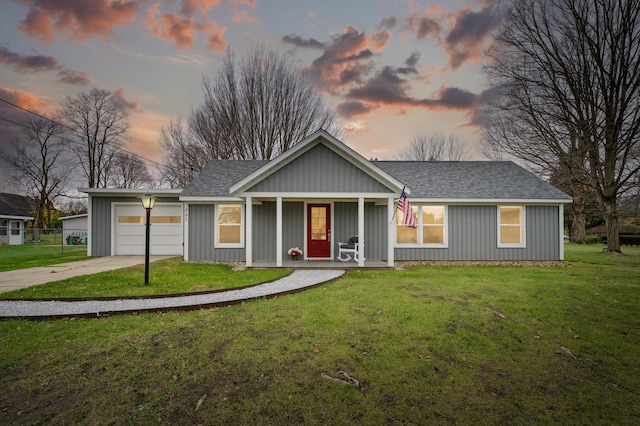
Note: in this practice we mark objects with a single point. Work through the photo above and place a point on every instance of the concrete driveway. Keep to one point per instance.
(15, 280)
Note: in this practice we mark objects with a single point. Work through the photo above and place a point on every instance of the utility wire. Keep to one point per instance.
(73, 130)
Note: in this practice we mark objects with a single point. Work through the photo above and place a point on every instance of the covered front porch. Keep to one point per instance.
(316, 225)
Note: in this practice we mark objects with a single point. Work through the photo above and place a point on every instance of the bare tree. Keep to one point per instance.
(258, 107)
(38, 165)
(129, 171)
(184, 155)
(572, 69)
(99, 122)
(434, 147)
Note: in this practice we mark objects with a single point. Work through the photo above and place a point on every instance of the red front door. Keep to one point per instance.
(319, 230)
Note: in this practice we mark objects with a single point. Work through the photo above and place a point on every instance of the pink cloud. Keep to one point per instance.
(215, 41)
(119, 95)
(77, 19)
(243, 16)
(182, 28)
(346, 58)
(23, 99)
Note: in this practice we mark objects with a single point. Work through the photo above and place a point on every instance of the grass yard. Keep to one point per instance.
(170, 276)
(427, 345)
(32, 255)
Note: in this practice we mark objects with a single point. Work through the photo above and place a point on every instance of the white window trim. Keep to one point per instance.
(216, 243)
(523, 227)
(420, 244)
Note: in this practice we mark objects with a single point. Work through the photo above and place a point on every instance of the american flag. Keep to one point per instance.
(405, 207)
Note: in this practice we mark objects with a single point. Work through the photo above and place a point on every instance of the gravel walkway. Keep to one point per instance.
(298, 280)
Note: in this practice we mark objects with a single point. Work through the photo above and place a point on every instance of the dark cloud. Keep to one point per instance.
(455, 98)
(41, 63)
(388, 23)
(466, 38)
(363, 54)
(412, 60)
(411, 63)
(478, 115)
(73, 77)
(423, 26)
(298, 41)
(385, 88)
(28, 63)
(351, 109)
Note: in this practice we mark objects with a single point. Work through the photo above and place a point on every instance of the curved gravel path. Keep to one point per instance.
(296, 281)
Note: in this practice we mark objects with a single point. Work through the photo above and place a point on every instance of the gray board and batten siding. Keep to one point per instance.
(473, 235)
(345, 225)
(101, 220)
(472, 232)
(319, 170)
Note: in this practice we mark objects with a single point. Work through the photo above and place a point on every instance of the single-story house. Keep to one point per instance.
(320, 193)
(74, 229)
(14, 214)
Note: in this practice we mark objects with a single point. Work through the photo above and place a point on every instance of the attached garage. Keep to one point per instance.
(166, 229)
(116, 222)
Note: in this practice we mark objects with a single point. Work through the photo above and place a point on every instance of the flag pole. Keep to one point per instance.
(393, 218)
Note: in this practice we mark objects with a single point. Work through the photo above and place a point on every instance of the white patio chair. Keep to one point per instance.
(348, 250)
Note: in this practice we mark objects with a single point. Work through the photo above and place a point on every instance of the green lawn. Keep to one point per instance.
(428, 345)
(32, 255)
(170, 276)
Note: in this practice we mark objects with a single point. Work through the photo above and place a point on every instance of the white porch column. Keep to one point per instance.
(185, 231)
(561, 228)
(248, 232)
(279, 231)
(361, 241)
(391, 232)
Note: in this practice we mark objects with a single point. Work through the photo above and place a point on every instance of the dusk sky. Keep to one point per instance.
(391, 69)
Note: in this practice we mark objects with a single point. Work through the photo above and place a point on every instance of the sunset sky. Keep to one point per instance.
(391, 69)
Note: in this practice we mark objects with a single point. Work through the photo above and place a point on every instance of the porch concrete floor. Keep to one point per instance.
(321, 264)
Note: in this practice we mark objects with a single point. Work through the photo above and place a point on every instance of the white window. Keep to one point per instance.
(229, 225)
(511, 224)
(4, 224)
(431, 229)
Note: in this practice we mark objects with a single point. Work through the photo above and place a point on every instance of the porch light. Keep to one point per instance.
(148, 201)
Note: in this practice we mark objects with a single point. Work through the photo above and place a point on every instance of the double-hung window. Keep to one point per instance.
(431, 229)
(511, 222)
(229, 225)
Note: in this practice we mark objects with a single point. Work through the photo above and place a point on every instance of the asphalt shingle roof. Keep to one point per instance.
(15, 205)
(470, 180)
(215, 179)
(425, 179)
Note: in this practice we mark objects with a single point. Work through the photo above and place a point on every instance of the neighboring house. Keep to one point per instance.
(14, 214)
(321, 192)
(74, 229)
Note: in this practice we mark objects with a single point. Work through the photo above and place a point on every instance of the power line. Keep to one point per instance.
(73, 130)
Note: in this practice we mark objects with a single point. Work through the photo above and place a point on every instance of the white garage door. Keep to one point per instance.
(166, 230)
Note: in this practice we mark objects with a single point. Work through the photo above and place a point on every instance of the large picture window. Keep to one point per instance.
(229, 220)
(511, 226)
(431, 229)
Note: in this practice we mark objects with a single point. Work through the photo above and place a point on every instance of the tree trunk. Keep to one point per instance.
(613, 234)
(578, 232)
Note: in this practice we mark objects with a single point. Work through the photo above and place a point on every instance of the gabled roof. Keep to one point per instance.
(433, 181)
(471, 180)
(318, 137)
(215, 179)
(15, 206)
